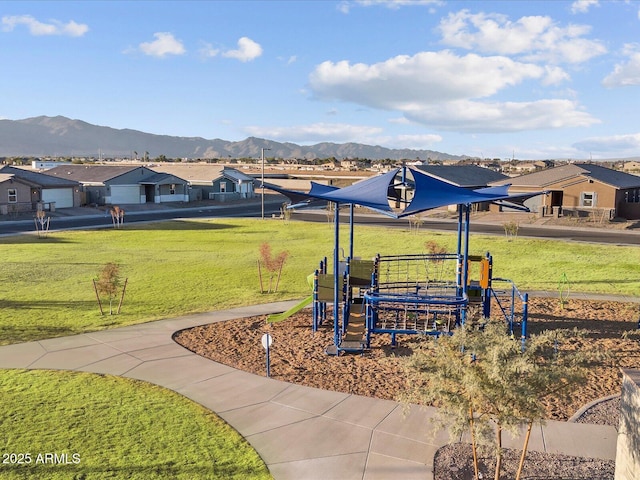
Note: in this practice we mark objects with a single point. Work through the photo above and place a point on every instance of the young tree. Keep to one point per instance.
(482, 381)
(272, 263)
(511, 230)
(109, 284)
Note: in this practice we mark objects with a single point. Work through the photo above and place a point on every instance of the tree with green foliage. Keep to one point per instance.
(483, 381)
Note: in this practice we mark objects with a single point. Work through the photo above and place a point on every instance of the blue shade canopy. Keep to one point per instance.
(320, 189)
(432, 193)
(376, 193)
(294, 196)
(302, 198)
(502, 190)
(371, 193)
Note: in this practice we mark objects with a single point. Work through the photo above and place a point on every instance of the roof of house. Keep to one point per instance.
(162, 179)
(202, 173)
(36, 178)
(90, 173)
(237, 175)
(462, 175)
(550, 176)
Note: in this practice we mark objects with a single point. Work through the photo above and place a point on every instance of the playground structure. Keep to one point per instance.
(413, 294)
(407, 294)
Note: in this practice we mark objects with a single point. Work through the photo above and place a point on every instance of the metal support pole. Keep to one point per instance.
(525, 314)
(351, 213)
(465, 262)
(459, 251)
(268, 362)
(336, 276)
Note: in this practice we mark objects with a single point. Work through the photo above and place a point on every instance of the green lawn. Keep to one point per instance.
(180, 267)
(126, 429)
(109, 427)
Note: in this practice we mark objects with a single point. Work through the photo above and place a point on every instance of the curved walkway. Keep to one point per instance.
(299, 432)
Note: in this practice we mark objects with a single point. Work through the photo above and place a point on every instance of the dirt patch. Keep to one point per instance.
(297, 353)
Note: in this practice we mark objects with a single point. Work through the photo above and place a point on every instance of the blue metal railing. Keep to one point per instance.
(509, 310)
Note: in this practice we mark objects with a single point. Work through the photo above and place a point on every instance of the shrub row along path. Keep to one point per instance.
(300, 432)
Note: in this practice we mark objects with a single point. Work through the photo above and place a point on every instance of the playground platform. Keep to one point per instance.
(299, 432)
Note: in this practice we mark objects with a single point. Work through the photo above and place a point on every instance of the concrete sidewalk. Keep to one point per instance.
(299, 432)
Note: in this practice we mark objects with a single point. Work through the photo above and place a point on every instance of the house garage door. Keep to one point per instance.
(62, 196)
(125, 194)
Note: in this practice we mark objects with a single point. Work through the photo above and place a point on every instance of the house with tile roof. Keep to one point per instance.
(23, 190)
(124, 184)
(581, 188)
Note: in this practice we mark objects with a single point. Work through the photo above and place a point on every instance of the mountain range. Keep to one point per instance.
(64, 137)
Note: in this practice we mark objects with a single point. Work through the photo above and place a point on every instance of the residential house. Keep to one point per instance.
(23, 190)
(124, 184)
(581, 188)
(631, 167)
(211, 182)
(530, 167)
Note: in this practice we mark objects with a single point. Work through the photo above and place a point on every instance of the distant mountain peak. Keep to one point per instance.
(60, 136)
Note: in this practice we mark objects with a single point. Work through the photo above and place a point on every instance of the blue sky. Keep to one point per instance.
(529, 79)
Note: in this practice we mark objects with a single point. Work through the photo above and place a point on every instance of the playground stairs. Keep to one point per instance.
(353, 339)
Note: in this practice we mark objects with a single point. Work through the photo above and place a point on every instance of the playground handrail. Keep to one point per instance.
(524, 298)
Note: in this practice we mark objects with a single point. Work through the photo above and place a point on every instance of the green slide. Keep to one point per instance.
(278, 317)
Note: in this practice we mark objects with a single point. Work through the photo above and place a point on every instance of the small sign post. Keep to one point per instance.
(267, 340)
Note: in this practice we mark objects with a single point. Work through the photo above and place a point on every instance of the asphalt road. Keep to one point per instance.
(593, 235)
(104, 221)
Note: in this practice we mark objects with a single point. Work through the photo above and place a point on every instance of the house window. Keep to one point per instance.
(172, 190)
(588, 199)
(13, 195)
(632, 196)
(223, 187)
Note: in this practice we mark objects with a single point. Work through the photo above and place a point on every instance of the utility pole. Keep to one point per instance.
(262, 198)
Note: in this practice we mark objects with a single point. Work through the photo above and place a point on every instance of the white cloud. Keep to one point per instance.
(425, 141)
(583, 6)
(534, 37)
(628, 73)
(209, 50)
(487, 117)
(554, 75)
(247, 50)
(164, 44)
(405, 83)
(615, 144)
(442, 90)
(288, 60)
(317, 132)
(71, 28)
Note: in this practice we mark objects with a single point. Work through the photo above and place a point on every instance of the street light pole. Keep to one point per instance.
(262, 198)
